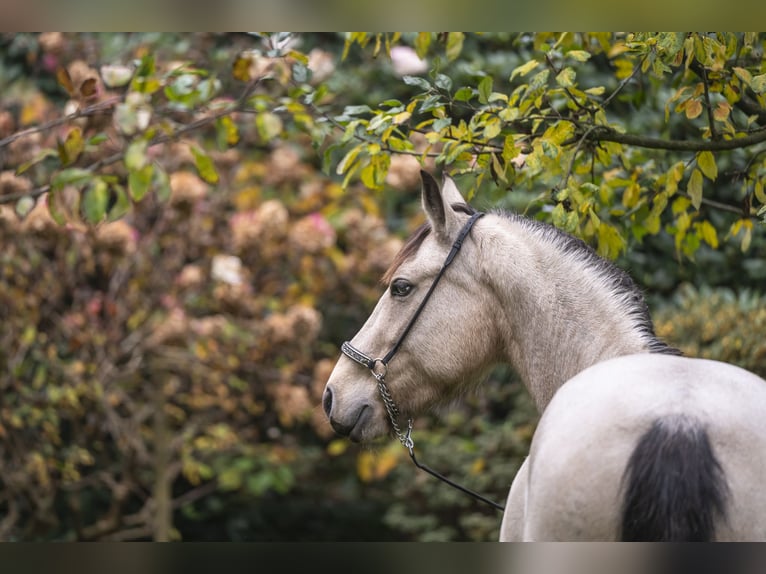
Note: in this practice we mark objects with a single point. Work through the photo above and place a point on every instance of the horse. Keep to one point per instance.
(635, 442)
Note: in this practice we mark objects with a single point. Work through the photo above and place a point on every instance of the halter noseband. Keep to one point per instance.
(379, 368)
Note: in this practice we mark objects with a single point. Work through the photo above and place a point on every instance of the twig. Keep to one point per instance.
(711, 121)
(623, 83)
(80, 113)
(570, 167)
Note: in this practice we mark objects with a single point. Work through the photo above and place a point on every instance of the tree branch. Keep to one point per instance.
(603, 134)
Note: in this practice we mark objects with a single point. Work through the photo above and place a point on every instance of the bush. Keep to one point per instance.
(717, 324)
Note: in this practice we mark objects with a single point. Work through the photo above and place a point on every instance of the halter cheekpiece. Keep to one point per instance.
(379, 367)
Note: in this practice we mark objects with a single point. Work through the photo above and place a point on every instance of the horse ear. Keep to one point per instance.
(437, 203)
(451, 193)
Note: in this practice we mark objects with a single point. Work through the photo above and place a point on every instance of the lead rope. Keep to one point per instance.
(409, 443)
(379, 368)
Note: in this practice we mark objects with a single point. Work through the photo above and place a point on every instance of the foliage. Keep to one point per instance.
(717, 324)
(572, 118)
(191, 223)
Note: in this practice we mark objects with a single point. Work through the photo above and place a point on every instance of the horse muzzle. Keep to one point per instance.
(353, 421)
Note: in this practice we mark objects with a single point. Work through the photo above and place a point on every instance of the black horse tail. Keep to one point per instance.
(674, 487)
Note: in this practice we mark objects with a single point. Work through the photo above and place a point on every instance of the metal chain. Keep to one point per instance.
(393, 413)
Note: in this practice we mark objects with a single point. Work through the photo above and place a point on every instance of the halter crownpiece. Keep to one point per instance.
(379, 368)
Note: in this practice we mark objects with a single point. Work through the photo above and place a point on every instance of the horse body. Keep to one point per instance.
(573, 485)
(619, 408)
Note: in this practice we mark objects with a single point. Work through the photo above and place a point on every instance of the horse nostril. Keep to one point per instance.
(327, 401)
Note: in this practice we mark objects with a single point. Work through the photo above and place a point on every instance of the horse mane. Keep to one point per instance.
(622, 285)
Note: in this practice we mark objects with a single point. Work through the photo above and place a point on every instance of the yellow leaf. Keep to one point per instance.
(204, 165)
(72, 147)
(631, 195)
(365, 466)
(337, 447)
(747, 238)
(65, 80)
(595, 91)
(454, 45)
(743, 75)
(758, 190)
(422, 42)
(478, 466)
(524, 69)
(693, 109)
(706, 163)
(386, 462)
(498, 168)
(722, 111)
(241, 69)
(401, 117)
(709, 234)
(694, 188)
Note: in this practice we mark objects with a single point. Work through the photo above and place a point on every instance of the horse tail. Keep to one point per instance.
(674, 487)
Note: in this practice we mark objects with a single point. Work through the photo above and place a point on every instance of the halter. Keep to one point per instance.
(379, 368)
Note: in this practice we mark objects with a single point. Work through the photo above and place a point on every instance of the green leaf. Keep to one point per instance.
(54, 205)
(72, 146)
(559, 216)
(204, 165)
(443, 82)
(139, 181)
(485, 89)
(161, 183)
(579, 55)
(135, 156)
(121, 204)
(70, 176)
(694, 188)
(565, 78)
(416, 81)
(743, 75)
(24, 205)
(269, 126)
(464, 94)
(706, 162)
(44, 154)
(758, 84)
(357, 110)
(95, 201)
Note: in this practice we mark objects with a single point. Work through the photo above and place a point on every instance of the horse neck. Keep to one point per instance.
(558, 315)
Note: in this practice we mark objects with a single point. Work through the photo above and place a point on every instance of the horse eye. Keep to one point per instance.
(401, 288)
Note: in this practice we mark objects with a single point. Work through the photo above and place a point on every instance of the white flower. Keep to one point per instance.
(406, 61)
(227, 268)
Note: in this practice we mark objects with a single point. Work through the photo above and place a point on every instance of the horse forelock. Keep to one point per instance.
(409, 249)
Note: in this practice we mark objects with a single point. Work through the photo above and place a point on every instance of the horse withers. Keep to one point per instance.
(635, 442)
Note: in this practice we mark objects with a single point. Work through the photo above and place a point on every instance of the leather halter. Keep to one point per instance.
(366, 361)
(379, 368)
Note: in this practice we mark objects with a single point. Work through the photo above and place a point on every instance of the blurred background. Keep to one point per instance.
(161, 372)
